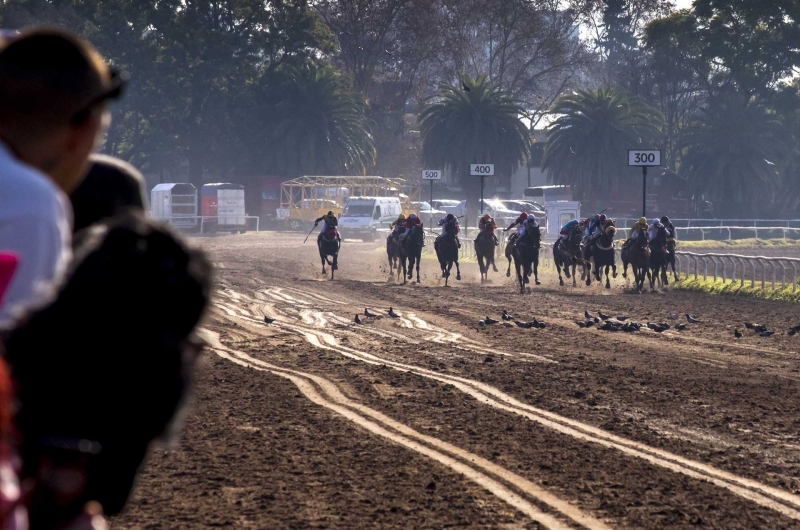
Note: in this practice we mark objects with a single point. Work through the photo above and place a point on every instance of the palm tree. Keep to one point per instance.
(588, 143)
(475, 123)
(315, 124)
(734, 150)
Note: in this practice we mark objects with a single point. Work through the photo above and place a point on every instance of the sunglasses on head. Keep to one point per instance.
(118, 81)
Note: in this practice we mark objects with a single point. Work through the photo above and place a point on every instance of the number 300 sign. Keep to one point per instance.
(644, 158)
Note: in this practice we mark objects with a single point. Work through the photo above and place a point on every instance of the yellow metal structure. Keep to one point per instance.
(308, 198)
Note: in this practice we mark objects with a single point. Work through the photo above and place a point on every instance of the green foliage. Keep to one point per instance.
(312, 122)
(479, 125)
(732, 150)
(593, 131)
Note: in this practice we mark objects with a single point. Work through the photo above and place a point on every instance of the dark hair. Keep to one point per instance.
(49, 76)
(665, 219)
(110, 360)
(110, 188)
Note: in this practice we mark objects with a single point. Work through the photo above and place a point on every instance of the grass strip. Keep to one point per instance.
(739, 244)
(735, 288)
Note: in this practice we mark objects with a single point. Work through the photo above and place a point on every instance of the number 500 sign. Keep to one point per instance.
(644, 158)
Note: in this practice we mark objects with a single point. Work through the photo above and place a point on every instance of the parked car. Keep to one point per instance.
(450, 206)
(529, 207)
(502, 215)
(429, 216)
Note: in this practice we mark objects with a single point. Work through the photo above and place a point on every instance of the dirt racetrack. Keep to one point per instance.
(428, 421)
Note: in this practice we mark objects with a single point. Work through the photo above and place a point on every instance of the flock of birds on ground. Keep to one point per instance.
(603, 322)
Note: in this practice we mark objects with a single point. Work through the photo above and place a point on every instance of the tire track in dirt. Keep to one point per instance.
(479, 470)
(778, 500)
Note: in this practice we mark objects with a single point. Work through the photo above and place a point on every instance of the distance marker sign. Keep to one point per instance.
(431, 174)
(481, 170)
(639, 158)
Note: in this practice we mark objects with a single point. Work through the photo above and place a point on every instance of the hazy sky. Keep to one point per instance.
(681, 4)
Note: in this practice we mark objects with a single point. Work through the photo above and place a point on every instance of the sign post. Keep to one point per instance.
(482, 171)
(431, 174)
(644, 159)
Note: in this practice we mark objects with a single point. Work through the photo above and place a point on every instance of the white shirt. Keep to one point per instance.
(35, 224)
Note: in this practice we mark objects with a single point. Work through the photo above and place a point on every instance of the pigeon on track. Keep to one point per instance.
(357, 320)
(269, 320)
(650, 325)
(760, 328)
(523, 325)
(750, 325)
(767, 333)
(393, 314)
(691, 320)
(674, 316)
(368, 314)
(623, 318)
(587, 314)
(737, 333)
(506, 316)
(792, 332)
(602, 316)
(481, 323)
(680, 327)
(539, 324)
(581, 324)
(489, 321)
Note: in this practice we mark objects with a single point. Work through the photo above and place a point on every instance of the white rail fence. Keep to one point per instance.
(773, 271)
(191, 222)
(625, 222)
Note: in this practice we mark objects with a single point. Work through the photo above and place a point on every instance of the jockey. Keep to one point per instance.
(671, 232)
(637, 227)
(487, 225)
(530, 224)
(329, 224)
(596, 226)
(567, 229)
(405, 228)
(450, 221)
(397, 226)
(518, 223)
(654, 230)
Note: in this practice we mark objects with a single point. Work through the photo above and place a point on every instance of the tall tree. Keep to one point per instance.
(475, 123)
(311, 122)
(734, 148)
(587, 144)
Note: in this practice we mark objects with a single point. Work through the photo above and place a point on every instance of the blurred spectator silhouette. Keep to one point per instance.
(106, 367)
(110, 188)
(52, 108)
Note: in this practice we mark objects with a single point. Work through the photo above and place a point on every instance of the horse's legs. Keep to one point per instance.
(494, 265)
(458, 271)
(608, 281)
(323, 264)
(334, 264)
(587, 271)
(418, 258)
(536, 270)
(558, 269)
(481, 267)
(520, 274)
(625, 269)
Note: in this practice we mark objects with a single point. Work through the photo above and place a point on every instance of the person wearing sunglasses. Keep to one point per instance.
(53, 97)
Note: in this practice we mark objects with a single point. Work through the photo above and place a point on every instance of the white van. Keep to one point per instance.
(363, 216)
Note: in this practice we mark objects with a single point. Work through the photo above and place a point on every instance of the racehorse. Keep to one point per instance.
(601, 251)
(671, 256)
(568, 253)
(411, 251)
(328, 245)
(393, 253)
(658, 259)
(484, 249)
(447, 252)
(525, 251)
(637, 254)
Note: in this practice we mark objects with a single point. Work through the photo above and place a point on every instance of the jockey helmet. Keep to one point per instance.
(329, 214)
(602, 218)
(450, 217)
(665, 220)
(656, 221)
(523, 215)
(401, 217)
(486, 217)
(412, 216)
(643, 220)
